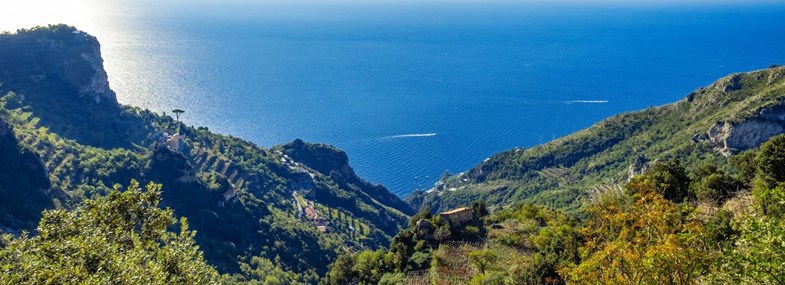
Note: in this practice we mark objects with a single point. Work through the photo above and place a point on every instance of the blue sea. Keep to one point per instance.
(410, 89)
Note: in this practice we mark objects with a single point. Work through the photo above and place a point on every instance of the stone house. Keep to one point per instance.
(458, 216)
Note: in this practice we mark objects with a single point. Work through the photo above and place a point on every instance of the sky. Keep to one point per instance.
(83, 13)
(29, 13)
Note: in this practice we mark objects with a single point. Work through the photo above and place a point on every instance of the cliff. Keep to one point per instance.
(729, 136)
(58, 73)
(59, 54)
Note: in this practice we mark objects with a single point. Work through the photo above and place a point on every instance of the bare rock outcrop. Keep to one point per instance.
(729, 136)
(98, 84)
(728, 83)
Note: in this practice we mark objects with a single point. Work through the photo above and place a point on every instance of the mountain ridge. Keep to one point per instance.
(737, 112)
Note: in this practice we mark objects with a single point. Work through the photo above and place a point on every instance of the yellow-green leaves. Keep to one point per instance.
(120, 239)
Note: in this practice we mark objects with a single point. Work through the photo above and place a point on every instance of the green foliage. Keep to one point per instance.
(769, 181)
(769, 200)
(770, 161)
(745, 166)
(340, 271)
(713, 185)
(366, 267)
(480, 209)
(423, 214)
(411, 249)
(638, 235)
(23, 183)
(757, 256)
(492, 278)
(719, 228)
(443, 232)
(120, 239)
(670, 180)
(262, 271)
(549, 235)
(392, 279)
(482, 259)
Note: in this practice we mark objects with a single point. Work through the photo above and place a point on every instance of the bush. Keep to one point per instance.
(669, 179)
(715, 187)
(392, 279)
(121, 239)
(720, 227)
(770, 161)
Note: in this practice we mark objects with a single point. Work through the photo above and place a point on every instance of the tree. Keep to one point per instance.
(119, 239)
(713, 185)
(177, 113)
(425, 214)
(769, 183)
(769, 200)
(480, 210)
(341, 271)
(366, 267)
(770, 161)
(744, 164)
(758, 254)
(670, 180)
(647, 242)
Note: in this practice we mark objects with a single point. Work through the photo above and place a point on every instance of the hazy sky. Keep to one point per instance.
(87, 13)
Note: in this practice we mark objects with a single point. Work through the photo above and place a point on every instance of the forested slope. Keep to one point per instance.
(65, 139)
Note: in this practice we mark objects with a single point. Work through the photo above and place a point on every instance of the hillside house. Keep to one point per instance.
(458, 216)
(319, 221)
(310, 213)
(175, 142)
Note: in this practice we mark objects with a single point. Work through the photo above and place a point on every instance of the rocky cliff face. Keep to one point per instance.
(97, 85)
(728, 136)
(60, 53)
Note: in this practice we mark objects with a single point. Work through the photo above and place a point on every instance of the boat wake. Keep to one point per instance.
(585, 101)
(408, 136)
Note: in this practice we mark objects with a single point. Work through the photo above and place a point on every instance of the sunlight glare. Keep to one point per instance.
(29, 13)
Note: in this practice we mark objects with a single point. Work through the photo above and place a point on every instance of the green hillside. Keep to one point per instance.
(735, 113)
(666, 225)
(65, 140)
